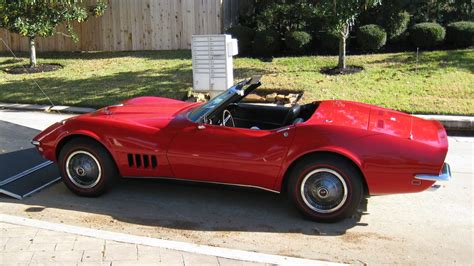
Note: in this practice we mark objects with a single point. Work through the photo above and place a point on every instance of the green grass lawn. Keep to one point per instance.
(441, 83)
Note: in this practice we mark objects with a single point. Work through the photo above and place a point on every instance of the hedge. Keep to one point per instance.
(396, 24)
(460, 34)
(245, 36)
(329, 41)
(427, 35)
(371, 37)
(266, 43)
(297, 41)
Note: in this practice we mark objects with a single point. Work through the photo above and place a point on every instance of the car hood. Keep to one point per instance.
(379, 120)
(147, 111)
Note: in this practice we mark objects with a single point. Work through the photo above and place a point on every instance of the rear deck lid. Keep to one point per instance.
(390, 122)
(342, 113)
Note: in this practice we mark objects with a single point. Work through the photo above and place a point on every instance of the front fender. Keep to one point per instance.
(78, 133)
(55, 136)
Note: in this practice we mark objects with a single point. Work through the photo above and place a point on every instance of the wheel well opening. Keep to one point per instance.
(67, 139)
(326, 154)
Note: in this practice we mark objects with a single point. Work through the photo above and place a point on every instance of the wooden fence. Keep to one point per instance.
(135, 25)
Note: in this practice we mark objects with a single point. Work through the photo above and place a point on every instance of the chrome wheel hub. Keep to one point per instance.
(324, 190)
(83, 169)
(80, 171)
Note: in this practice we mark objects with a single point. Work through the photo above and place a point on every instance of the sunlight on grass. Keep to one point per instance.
(442, 82)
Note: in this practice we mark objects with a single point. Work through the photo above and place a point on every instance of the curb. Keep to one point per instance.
(450, 122)
(453, 123)
(228, 253)
(47, 108)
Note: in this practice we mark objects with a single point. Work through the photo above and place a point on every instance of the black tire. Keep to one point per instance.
(342, 197)
(98, 168)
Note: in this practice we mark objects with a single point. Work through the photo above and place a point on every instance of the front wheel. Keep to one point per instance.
(86, 167)
(325, 188)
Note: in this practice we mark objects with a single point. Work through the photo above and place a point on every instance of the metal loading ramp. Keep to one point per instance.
(22, 169)
(30, 181)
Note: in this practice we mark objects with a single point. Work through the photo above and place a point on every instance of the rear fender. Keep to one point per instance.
(327, 149)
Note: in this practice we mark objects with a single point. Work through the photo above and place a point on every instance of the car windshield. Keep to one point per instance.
(204, 109)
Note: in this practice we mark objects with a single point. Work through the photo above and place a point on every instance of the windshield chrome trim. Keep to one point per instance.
(233, 90)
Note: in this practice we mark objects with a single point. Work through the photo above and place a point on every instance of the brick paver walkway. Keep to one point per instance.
(22, 245)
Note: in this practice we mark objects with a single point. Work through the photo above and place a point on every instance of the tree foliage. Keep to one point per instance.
(340, 15)
(285, 16)
(40, 18)
(32, 18)
(318, 16)
(441, 11)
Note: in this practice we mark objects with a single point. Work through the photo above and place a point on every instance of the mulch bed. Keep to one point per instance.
(339, 71)
(26, 69)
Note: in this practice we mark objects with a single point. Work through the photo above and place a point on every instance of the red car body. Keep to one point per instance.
(153, 137)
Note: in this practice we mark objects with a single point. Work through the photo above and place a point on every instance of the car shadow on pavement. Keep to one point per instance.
(160, 203)
(190, 206)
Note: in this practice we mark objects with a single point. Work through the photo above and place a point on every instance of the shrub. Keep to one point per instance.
(400, 43)
(329, 41)
(245, 36)
(266, 43)
(371, 37)
(427, 35)
(460, 34)
(297, 41)
(396, 24)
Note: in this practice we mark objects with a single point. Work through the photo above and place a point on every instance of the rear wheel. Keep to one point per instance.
(86, 167)
(325, 188)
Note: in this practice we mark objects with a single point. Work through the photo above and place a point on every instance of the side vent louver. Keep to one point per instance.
(138, 160)
(142, 161)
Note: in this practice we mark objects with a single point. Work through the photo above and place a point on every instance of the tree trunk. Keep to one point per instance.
(32, 52)
(342, 47)
(342, 53)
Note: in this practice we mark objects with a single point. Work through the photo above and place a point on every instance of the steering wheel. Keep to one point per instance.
(226, 116)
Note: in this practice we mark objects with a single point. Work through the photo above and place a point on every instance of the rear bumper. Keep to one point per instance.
(445, 175)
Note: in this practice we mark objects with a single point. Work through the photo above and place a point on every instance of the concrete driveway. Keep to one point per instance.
(424, 228)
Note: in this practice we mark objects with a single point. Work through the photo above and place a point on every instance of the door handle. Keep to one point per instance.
(201, 127)
(284, 131)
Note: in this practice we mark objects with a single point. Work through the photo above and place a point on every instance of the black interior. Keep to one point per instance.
(263, 116)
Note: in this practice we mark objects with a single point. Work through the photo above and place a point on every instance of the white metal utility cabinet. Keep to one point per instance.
(213, 62)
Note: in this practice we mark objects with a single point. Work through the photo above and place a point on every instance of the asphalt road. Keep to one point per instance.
(423, 228)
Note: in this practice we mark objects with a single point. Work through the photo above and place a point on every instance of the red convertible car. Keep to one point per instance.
(326, 155)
